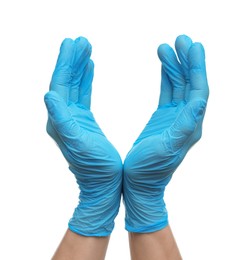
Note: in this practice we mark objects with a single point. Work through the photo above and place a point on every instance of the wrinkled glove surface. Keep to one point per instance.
(174, 127)
(93, 160)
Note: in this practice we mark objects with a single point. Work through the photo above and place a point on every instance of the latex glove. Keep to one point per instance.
(173, 128)
(94, 161)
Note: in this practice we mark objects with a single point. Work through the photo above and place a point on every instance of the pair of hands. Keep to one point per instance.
(174, 127)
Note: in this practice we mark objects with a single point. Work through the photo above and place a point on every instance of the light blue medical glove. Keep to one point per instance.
(173, 128)
(93, 160)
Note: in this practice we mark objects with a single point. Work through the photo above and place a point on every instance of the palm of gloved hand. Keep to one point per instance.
(172, 130)
(80, 138)
(94, 161)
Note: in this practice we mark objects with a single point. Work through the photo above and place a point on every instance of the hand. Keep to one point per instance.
(94, 161)
(173, 128)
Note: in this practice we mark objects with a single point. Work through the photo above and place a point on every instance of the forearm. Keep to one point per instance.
(159, 245)
(77, 247)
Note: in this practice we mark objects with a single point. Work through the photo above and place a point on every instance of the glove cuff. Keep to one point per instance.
(153, 227)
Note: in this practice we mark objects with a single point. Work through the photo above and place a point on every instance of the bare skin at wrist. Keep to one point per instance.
(77, 247)
(159, 245)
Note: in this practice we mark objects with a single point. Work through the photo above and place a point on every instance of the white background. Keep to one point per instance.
(208, 197)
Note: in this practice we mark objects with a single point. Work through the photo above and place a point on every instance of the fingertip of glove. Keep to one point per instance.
(81, 40)
(182, 40)
(162, 51)
(183, 37)
(201, 109)
(47, 100)
(51, 97)
(90, 64)
(198, 108)
(67, 42)
(83, 43)
(196, 50)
